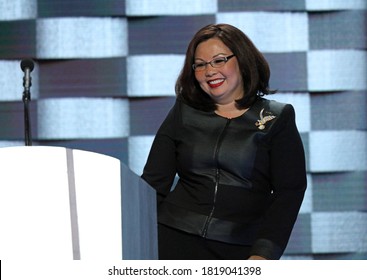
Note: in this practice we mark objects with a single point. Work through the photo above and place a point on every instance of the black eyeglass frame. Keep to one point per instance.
(204, 64)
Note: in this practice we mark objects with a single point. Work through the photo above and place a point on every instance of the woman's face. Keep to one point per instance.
(223, 84)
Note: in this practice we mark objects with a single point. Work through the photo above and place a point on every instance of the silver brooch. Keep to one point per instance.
(263, 120)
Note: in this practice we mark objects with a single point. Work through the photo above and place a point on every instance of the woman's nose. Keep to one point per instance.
(210, 70)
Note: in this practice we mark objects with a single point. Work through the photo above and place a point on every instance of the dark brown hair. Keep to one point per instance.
(253, 66)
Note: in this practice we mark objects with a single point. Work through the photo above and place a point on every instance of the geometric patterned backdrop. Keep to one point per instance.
(104, 80)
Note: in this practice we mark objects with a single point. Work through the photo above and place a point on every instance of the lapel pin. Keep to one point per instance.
(263, 120)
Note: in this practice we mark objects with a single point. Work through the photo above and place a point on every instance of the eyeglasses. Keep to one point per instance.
(215, 63)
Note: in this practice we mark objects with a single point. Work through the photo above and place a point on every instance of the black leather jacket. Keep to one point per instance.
(241, 180)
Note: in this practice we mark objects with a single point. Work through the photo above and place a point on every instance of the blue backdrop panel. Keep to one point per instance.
(76, 8)
(83, 77)
(18, 39)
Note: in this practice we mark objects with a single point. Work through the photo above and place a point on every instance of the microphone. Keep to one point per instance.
(27, 66)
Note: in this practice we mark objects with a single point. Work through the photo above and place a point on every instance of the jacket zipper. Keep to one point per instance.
(217, 175)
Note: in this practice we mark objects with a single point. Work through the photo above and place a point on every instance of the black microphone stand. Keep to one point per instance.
(27, 67)
(27, 122)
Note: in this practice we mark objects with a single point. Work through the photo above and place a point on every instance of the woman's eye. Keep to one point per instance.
(219, 61)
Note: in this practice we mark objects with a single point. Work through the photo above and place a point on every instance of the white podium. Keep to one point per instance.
(63, 204)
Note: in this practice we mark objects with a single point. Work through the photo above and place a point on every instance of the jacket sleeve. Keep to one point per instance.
(288, 179)
(160, 169)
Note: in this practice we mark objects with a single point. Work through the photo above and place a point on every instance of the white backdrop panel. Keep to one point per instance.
(335, 151)
(330, 70)
(69, 118)
(153, 75)
(18, 9)
(81, 37)
(169, 7)
(11, 81)
(288, 32)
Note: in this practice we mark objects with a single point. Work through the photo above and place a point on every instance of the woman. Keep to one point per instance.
(238, 156)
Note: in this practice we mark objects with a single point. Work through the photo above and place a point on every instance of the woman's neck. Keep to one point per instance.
(229, 110)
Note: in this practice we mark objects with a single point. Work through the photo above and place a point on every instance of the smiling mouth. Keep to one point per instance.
(216, 83)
